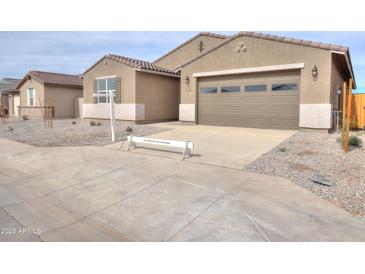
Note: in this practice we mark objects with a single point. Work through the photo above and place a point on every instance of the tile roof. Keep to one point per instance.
(273, 38)
(135, 63)
(210, 34)
(7, 84)
(51, 78)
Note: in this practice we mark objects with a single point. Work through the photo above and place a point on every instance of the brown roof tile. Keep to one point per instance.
(51, 78)
(135, 63)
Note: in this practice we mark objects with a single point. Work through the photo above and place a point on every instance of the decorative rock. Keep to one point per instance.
(319, 179)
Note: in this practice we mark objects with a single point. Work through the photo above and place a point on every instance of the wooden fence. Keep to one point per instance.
(358, 110)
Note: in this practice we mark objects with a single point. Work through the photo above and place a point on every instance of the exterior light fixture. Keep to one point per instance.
(315, 72)
(339, 90)
(187, 80)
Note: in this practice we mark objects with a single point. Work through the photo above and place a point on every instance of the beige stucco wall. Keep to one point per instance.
(39, 92)
(160, 95)
(337, 79)
(338, 76)
(63, 100)
(111, 68)
(188, 52)
(262, 52)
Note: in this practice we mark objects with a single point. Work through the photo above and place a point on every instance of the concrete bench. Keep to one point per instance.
(186, 145)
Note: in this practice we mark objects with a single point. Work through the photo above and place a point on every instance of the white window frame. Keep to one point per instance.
(105, 92)
(28, 97)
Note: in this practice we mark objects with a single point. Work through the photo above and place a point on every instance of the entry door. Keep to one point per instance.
(16, 102)
(256, 100)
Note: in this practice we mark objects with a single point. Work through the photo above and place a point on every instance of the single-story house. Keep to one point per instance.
(246, 80)
(10, 98)
(63, 89)
(266, 81)
(144, 92)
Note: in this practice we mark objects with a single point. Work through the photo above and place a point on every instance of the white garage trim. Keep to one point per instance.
(315, 116)
(249, 70)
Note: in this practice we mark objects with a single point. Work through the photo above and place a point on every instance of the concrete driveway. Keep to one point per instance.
(101, 194)
(221, 146)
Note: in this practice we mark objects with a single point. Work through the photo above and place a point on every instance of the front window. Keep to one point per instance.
(31, 97)
(105, 86)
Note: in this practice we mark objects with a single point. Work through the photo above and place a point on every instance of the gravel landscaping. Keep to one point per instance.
(306, 155)
(69, 132)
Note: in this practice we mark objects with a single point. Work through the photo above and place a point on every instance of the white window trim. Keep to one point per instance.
(28, 97)
(106, 77)
(106, 90)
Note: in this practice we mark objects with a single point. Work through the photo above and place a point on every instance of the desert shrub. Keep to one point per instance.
(73, 122)
(129, 129)
(92, 123)
(283, 149)
(25, 117)
(353, 123)
(98, 124)
(355, 141)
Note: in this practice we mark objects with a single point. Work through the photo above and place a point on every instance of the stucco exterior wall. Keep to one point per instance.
(63, 100)
(109, 67)
(262, 52)
(159, 94)
(337, 79)
(188, 52)
(39, 92)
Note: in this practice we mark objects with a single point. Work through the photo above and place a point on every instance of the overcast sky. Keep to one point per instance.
(74, 52)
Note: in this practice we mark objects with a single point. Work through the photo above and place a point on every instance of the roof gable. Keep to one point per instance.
(136, 64)
(51, 78)
(200, 34)
(276, 38)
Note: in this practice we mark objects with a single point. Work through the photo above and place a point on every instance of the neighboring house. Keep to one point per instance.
(144, 92)
(9, 95)
(265, 81)
(63, 89)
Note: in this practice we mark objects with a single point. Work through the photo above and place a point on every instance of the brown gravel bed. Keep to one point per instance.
(306, 154)
(64, 133)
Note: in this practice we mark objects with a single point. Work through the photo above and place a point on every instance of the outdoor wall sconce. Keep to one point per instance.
(187, 80)
(339, 90)
(315, 73)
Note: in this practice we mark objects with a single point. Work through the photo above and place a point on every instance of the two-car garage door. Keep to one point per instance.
(266, 100)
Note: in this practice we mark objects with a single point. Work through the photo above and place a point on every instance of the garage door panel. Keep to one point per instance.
(235, 108)
(260, 109)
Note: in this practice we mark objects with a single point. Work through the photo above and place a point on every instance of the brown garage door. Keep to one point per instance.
(256, 100)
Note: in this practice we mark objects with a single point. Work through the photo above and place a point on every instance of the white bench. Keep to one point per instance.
(186, 145)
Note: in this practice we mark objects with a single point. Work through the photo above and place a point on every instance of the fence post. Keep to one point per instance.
(346, 148)
(344, 105)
